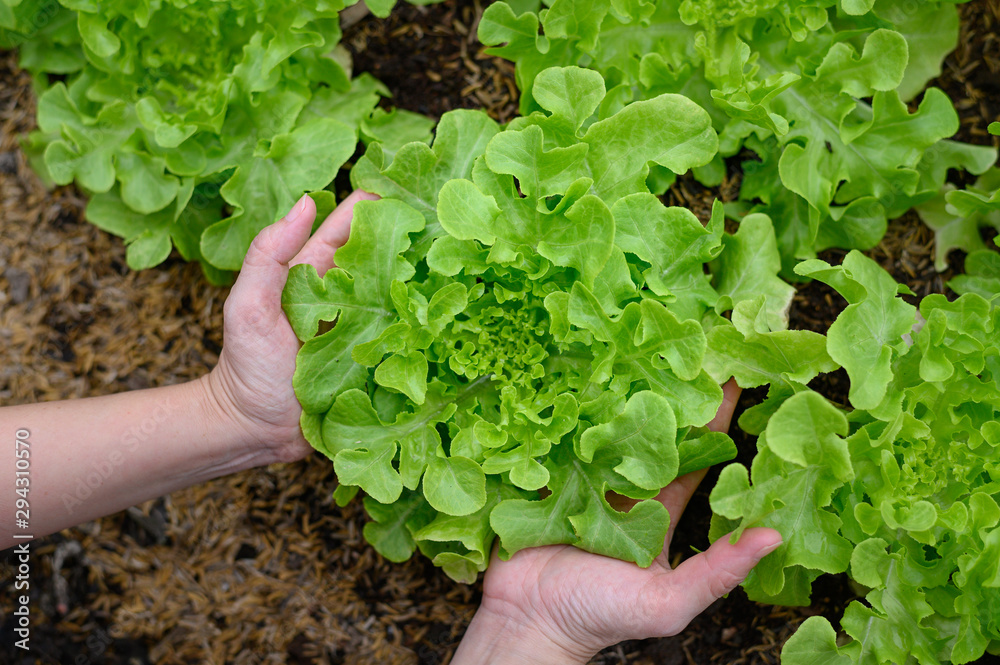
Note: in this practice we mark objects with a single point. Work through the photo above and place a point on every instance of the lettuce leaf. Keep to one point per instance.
(982, 275)
(197, 153)
(957, 216)
(514, 334)
(816, 88)
(901, 492)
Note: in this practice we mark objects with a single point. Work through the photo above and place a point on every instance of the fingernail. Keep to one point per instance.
(297, 210)
(767, 550)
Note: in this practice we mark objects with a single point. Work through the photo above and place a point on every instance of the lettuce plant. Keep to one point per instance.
(901, 492)
(816, 88)
(958, 215)
(982, 276)
(197, 149)
(519, 329)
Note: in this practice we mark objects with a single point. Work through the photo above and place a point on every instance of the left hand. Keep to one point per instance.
(560, 605)
(252, 384)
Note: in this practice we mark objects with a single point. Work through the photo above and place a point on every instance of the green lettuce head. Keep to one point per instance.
(518, 330)
(191, 123)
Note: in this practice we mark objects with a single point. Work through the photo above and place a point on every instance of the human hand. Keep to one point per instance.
(252, 384)
(559, 604)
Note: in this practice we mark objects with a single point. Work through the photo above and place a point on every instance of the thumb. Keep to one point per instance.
(278, 243)
(265, 267)
(703, 579)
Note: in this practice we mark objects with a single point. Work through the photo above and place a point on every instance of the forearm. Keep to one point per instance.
(496, 640)
(93, 457)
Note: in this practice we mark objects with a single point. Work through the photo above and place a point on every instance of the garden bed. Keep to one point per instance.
(263, 567)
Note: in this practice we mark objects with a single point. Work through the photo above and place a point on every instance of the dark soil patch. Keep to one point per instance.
(430, 59)
(971, 74)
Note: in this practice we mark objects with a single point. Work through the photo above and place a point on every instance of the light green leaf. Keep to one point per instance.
(808, 429)
(673, 242)
(392, 527)
(748, 268)
(680, 344)
(695, 402)
(359, 301)
(814, 643)
(669, 130)
(405, 373)
(146, 187)
(576, 513)
(539, 172)
(982, 276)
(703, 451)
(791, 492)
(148, 249)
(880, 66)
(868, 334)
(370, 467)
(642, 436)
(571, 92)
(754, 355)
(267, 185)
(455, 485)
(417, 172)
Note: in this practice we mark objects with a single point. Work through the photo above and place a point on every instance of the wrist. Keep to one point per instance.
(228, 424)
(496, 639)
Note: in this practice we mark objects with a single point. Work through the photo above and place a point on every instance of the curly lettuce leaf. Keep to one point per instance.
(416, 173)
(267, 114)
(982, 275)
(931, 30)
(501, 356)
(868, 334)
(912, 480)
(802, 461)
(755, 355)
(957, 215)
(748, 268)
(816, 88)
(675, 245)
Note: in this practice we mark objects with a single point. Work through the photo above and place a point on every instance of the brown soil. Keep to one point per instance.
(431, 61)
(971, 74)
(262, 566)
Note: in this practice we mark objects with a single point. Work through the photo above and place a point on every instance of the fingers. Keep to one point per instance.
(675, 498)
(676, 495)
(730, 395)
(332, 234)
(701, 580)
(256, 297)
(279, 242)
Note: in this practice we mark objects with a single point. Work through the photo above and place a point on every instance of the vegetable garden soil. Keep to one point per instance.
(262, 567)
